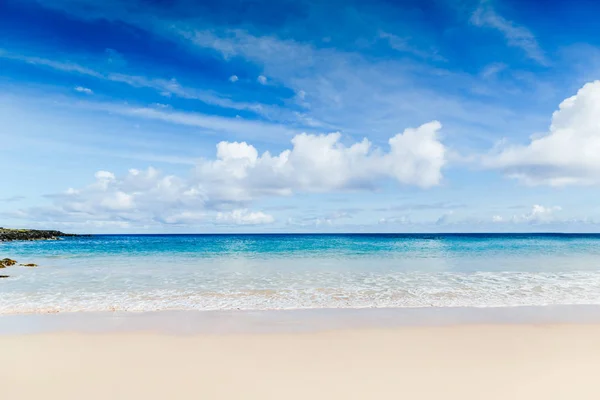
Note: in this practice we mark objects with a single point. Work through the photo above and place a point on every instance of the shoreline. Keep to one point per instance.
(293, 321)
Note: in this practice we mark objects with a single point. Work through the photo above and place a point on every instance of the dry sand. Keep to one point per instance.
(461, 362)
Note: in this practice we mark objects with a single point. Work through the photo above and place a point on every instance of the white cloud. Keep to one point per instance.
(330, 219)
(537, 215)
(85, 90)
(104, 176)
(66, 66)
(117, 201)
(402, 44)
(171, 87)
(139, 195)
(186, 217)
(212, 123)
(516, 36)
(244, 217)
(492, 70)
(347, 90)
(567, 154)
(394, 220)
(166, 87)
(239, 175)
(262, 79)
(352, 92)
(233, 78)
(445, 218)
(320, 163)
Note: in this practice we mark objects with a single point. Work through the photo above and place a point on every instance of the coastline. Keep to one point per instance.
(14, 235)
(215, 272)
(186, 322)
(455, 345)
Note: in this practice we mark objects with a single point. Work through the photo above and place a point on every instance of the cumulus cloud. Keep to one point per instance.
(320, 163)
(567, 154)
(137, 196)
(537, 215)
(85, 90)
(262, 79)
(540, 213)
(220, 189)
(233, 78)
(244, 217)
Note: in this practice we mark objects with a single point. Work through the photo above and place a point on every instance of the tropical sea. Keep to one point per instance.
(297, 271)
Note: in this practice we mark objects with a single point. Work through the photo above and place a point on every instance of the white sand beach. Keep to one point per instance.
(504, 361)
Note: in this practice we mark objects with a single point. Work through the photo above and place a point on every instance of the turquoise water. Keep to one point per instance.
(258, 272)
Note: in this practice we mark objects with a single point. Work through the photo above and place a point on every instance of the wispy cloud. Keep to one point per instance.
(85, 90)
(423, 206)
(492, 70)
(326, 220)
(403, 45)
(12, 199)
(65, 66)
(166, 87)
(238, 127)
(349, 92)
(516, 36)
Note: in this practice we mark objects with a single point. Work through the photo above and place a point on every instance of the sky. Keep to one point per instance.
(181, 116)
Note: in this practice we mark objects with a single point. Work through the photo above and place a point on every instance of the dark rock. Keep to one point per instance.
(7, 262)
(4, 276)
(7, 235)
(28, 265)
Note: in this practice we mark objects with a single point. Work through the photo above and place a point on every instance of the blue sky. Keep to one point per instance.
(284, 116)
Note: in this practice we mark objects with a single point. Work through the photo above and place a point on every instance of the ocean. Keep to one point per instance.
(297, 271)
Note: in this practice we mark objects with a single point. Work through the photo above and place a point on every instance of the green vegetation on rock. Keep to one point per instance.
(7, 235)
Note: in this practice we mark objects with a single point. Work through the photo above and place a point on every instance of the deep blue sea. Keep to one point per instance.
(258, 272)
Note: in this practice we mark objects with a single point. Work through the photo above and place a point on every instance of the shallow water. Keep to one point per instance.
(260, 272)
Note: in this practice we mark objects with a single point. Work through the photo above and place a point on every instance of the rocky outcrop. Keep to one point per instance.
(7, 235)
(7, 262)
